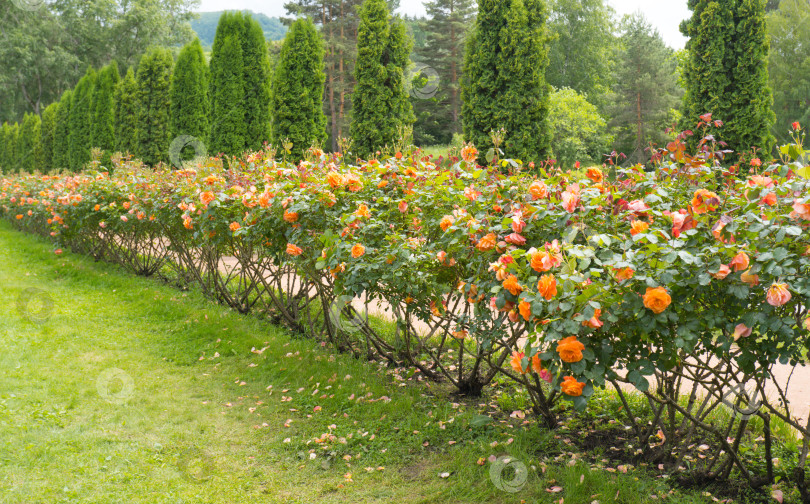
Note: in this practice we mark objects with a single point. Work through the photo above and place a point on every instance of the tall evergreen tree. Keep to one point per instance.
(503, 84)
(15, 153)
(727, 72)
(227, 88)
(126, 114)
(154, 77)
(789, 66)
(61, 140)
(103, 133)
(381, 109)
(29, 144)
(256, 78)
(338, 22)
(81, 121)
(646, 90)
(5, 148)
(298, 87)
(189, 94)
(437, 105)
(48, 135)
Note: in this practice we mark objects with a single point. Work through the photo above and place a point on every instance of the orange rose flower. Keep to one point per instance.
(516, 362)
(525, 310)
(511, 284)
(740, 261)
(778, 294)
(800, 210)
(623, 274)
(294, 250)
(570, 386)
(487, 242)
(19, 216)
(469, 153)
(656, 299)
(290, 216)
(234, 226)
(704, 201)
(547, 286)
(446, 222)
(595, 174)
(187, 222)
(594, 321)
(97, 208)
(358, 250)
(750, 279)
(334, 179)
(570, 349)
(362, 211)
(741, 331)
(538, 190)
(722, 273)
(807, 323)
(638, 226)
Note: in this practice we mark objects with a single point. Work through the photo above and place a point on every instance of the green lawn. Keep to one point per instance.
(128, 390)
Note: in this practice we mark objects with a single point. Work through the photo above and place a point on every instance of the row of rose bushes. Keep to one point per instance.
(561, 281)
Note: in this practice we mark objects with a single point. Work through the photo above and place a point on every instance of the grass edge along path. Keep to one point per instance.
(128, 390)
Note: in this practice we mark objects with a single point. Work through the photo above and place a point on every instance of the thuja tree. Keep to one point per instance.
(227, 87)
(298, 86)
(29, 144)
(381, 111)
(5, 147)
(257, 78)
(126, 113)
(48, 135)
(504, 85)
(189, 94)
(61, 135)
(727, 72)
(153, 104)
(103, 130)
(240, 85)
(81, 121)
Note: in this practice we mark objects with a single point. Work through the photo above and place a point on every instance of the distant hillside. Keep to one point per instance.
(206, 26)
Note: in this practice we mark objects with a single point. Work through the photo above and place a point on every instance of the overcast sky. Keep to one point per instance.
(665, 15)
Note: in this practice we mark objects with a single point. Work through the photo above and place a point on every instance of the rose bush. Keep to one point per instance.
(562, 281)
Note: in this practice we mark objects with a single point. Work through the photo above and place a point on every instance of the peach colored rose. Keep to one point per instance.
(595, 174)
(749, 278)
(512, 285)
(570, 349)
(547, 286)
(623, 274)
(740, 261)
(778, 294)
(704, 201)
(741, 331)
(525, 310)
(294, 250)
(538, 190)
(571, 387)
(656, 299)
(594, 321)
(446, 222)
(638, 226)
(358, 250)
(487, 242)
(722, 273)
(516, 362)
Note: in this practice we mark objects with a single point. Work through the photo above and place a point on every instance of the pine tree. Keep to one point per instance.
(189, 95)
(257, 77)
(61, 140)
(298, 87)
(154, 78)
(48, 136)
(646, 90)
(103, 133)
(126, 114)
(727, 74)
(437, 104)
(81, 120)
(228, 127)
(381, 109)
(503, 84)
